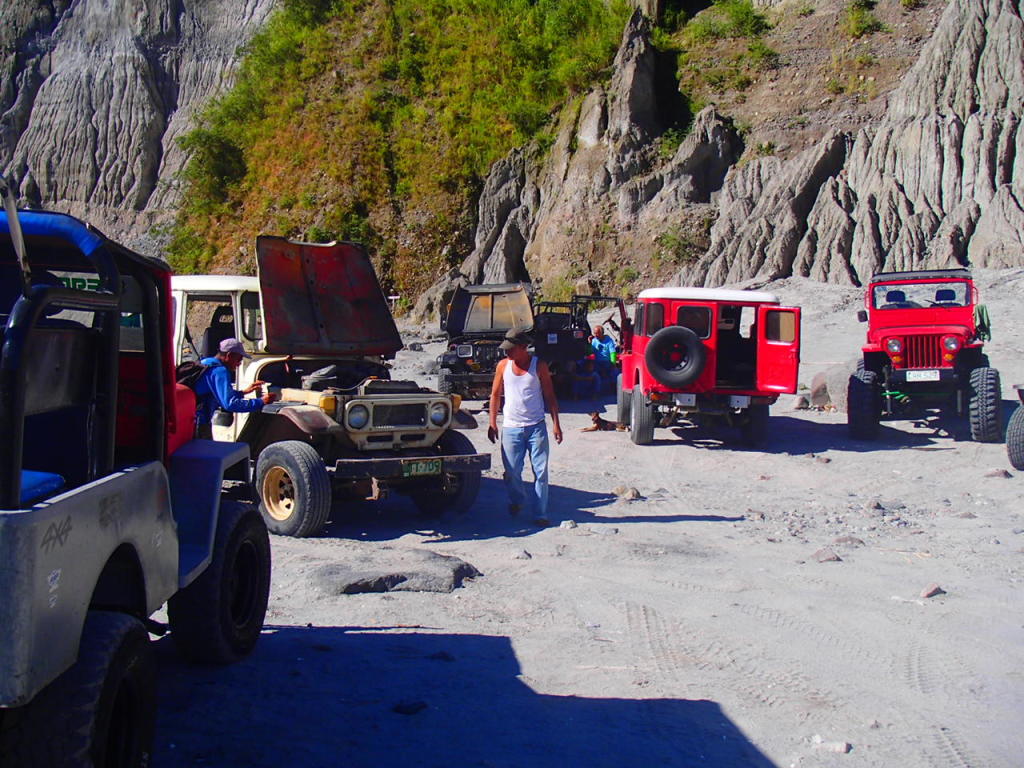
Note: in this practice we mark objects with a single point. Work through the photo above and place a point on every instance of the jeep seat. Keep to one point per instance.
(35, 485)
(946, 297)
(222, 326)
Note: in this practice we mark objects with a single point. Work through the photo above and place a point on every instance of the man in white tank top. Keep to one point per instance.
(525, 383)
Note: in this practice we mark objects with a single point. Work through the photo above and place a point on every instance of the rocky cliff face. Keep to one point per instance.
(938, 182)
(94, 94)
(935, 180)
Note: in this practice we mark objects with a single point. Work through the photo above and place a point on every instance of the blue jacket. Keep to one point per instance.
(216, 390)
(604, 348)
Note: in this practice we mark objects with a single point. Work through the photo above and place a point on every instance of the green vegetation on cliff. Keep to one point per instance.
(376, 120)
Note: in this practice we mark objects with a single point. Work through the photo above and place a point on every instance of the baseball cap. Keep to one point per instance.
(233, 345)
(514, 338)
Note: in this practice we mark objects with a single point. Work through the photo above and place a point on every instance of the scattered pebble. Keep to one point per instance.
(998, 473)
(604, 530)
(826, 555)
(853, 541)
(967, 515)
(522, 555)
(823, 459)
(414, 347)
(567, 524)
(626, 493)
(932, 590)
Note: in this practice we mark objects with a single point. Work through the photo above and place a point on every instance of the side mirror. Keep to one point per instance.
(862, 316)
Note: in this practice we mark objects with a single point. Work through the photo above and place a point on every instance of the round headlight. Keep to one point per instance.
(358, 416)
(895, 346)
(438, 414)
(951, 343)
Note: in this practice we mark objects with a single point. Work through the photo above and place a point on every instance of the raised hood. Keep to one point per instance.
(322, 300)
(488, 310)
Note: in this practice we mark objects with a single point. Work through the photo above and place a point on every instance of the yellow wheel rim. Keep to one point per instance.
(278, 493)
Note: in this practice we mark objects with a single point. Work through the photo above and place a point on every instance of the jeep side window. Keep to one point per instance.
(655, 318)
(209, 320)
(780, 326)
(252, 320)
(697, 319)
(638, 320)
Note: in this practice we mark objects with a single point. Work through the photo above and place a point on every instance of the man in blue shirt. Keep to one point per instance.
(604, 355)
(216, 388)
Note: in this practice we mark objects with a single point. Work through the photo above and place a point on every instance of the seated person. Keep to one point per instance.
(586, 383)
(216, 388)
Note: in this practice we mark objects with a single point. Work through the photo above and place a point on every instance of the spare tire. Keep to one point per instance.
(675, 356)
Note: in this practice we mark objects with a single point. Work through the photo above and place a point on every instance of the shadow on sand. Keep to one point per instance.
(324, 697)
(489, 517)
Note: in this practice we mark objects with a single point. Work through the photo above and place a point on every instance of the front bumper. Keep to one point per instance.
(392, 467)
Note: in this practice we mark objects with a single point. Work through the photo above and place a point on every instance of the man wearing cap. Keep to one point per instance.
(525, 383)
(216, 388)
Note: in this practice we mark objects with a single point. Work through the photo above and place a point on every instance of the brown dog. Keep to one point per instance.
(601, 425)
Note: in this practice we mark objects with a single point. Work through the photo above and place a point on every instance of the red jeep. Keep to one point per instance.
(924, 347)
(703, 353)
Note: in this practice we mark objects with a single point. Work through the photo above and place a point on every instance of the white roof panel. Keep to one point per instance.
(684, 293)
(214, 283)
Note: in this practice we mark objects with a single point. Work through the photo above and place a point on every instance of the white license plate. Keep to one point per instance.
(922, 375)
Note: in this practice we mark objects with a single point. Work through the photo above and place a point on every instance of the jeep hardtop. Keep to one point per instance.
(707, 354)
(924, 347)
(476, 320)
(320, 332)
(108, 508)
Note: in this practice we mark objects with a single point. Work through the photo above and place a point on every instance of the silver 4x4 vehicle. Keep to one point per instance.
(320, 332)
(108, 507)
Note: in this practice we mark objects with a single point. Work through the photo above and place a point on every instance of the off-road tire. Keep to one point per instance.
(217, 619)
(985, 402)
(863, 405)
(100, 713)
(641, 423)
(662, 351)
(1015, 438)
(623, 402)
(754, 431)
(462, 487)
(294, 489)
(444, 381)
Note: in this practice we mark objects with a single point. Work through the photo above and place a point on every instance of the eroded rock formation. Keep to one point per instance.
(95, 93)
(939, 182)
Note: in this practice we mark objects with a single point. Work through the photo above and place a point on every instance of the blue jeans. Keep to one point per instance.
(515, 441)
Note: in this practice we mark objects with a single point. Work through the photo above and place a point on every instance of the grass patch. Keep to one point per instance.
(859, 20)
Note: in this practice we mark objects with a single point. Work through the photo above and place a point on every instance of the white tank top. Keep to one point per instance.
(524, 400)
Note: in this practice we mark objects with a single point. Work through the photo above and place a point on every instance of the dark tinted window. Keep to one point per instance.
(655, 318)
(697, 319)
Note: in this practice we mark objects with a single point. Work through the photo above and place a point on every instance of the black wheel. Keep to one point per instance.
(675, 356)
(294, 488)
(444, 381)
(1015, 438)
(985, 400)
(218, 618)
(641, 423)
(863, 405)
(623, 402)
(755, 427)
(457, 490)
(100, 713)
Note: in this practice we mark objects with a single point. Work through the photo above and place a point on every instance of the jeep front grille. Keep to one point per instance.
(390, 416)
(922, 351)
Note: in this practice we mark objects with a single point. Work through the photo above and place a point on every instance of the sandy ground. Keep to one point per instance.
(693, 626)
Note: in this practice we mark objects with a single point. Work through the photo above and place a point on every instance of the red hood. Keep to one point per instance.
(323, 300)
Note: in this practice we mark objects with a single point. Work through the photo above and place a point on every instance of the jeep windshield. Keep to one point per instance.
(489, 309)
(920, 295)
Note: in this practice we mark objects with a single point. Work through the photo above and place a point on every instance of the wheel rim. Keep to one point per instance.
(243, 585)
(278, 494)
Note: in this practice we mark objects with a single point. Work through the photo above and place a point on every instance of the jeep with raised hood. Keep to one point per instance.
(475, 322)
(108, 508)
(924, 348)
(707, 354)
(320, 332)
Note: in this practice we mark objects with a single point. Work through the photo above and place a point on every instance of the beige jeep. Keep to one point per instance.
(320, 332)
